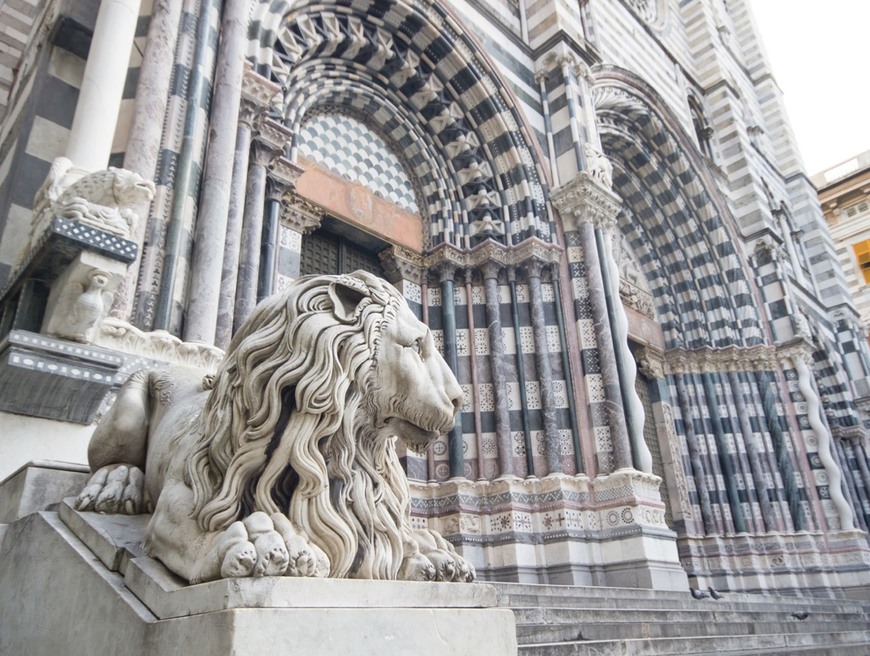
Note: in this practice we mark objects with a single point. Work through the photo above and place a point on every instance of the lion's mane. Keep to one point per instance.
(289, 427)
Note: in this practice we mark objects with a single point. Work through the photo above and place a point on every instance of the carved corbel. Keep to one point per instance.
(651, 362)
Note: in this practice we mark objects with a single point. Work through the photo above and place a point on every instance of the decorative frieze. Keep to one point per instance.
(726, 359)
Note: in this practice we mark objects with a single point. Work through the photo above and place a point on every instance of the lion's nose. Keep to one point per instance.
(454, 393)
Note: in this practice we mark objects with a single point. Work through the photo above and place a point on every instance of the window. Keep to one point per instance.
(862, 254)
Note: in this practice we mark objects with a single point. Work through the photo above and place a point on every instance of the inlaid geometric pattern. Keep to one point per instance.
(413, 72)
(354, 151)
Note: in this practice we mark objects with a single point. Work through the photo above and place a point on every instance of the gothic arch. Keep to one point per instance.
(675, 219)
(411, 72)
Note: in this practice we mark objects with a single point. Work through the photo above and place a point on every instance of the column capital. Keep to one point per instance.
(403, 264)
(300, 214)
(257, 90)
(584, 199)
(651, 362)
(282, 177)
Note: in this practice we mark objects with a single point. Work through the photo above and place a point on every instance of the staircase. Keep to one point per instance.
(555, 620)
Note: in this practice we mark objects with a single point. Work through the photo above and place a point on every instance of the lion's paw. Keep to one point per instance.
(416, 567)
(448, 565)
(306, 559)
(115, 489)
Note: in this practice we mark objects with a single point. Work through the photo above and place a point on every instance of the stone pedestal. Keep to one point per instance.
(78, 583)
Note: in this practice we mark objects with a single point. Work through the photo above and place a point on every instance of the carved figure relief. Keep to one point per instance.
(81, 307)
(598, 166)
(284, 462)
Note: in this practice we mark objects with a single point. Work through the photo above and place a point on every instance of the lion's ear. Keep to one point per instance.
(346, 294)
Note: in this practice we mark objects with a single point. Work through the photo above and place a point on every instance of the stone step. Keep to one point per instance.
(700, 616)
(545, 633)
(819, 644)
(528, 595)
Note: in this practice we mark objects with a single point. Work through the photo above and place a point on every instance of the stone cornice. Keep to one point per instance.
(585, 200)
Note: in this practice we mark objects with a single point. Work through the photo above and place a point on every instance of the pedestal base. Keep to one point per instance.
(81, 585)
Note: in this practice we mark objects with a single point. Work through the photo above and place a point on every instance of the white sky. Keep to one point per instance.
(819, 52)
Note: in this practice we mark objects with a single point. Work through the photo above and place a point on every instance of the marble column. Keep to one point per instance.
(768, 516)
(257, 95)
(725, 461)
(698, 473)
(210, 231)
(496, 354)
(764, 380)
(102, 89)
(521, 375)
(474, 401)
(448, 325)
(276, 189)
(545, 370)
(229, 271)
(606, 354)
(252, 232)
(823, 439)
(627, 367)
(146, 128)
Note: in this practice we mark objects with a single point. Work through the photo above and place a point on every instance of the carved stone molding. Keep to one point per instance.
(301, 215)
(272, 132)
(491, 252)
(283, 175)
(157, 345)
(796, 349)
(732, 358)
(651, 362)
(584, 199)
(402, 264)
(260, 91)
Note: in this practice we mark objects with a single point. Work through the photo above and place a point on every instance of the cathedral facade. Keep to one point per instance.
(597, 206)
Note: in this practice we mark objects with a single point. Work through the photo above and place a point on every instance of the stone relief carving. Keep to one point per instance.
(81, 307)
(598, 165)
(102, 200)
(633, 288)
(284, 462)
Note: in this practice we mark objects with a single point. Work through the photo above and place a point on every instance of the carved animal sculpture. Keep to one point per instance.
(284, 462)
(102, 200)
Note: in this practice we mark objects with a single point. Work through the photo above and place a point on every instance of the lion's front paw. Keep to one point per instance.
(416, 567)
(306, 559)
(115, 489)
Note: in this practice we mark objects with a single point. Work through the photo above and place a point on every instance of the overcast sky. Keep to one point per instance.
(819, 52)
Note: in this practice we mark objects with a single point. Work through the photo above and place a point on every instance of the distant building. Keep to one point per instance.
(844, 194)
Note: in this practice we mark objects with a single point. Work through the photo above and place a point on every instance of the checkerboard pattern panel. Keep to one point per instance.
(351, 149)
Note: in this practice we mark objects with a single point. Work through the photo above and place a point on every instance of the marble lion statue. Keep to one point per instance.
(284, 461)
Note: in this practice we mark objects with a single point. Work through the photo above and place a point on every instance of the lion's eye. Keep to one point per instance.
(417, 346)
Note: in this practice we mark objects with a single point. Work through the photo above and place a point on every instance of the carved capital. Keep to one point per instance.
(283, 175)
(585, 200)
(706, 360)
(490, 270)
(258, 91)
(795, 350)
(402, 264)
(272, 133)
(651, 362)
(301, 215)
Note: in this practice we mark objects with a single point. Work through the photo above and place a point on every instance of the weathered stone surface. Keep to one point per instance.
(261, 469)
(57, 598)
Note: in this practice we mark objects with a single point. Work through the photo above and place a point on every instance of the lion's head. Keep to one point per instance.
(304, 411)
